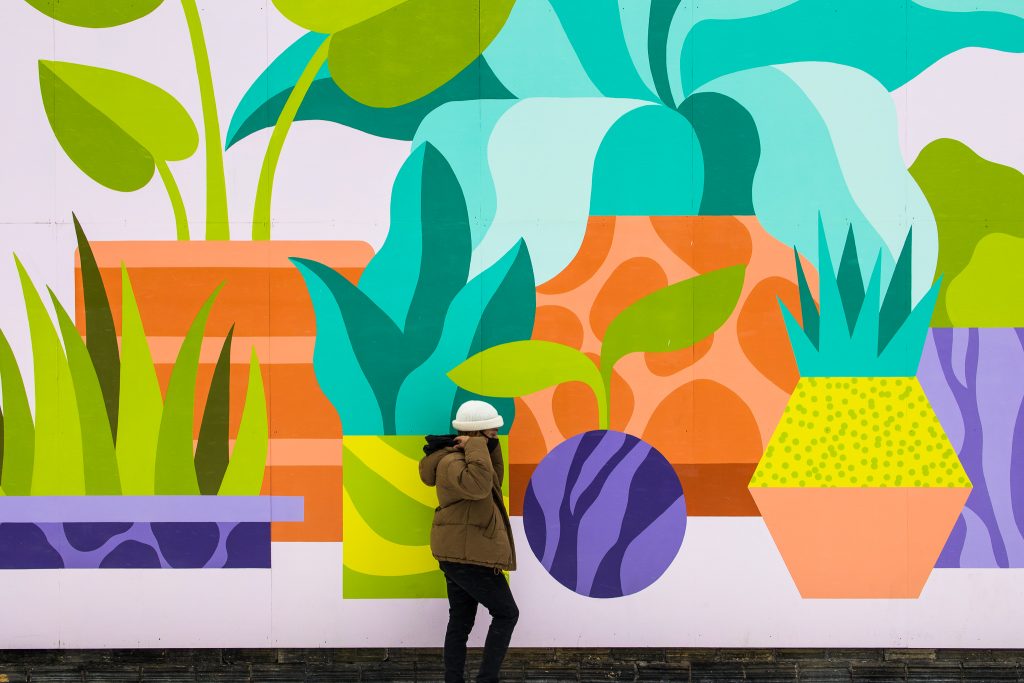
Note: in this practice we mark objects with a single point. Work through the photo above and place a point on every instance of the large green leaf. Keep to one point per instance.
(523, 367)
(244, 476)
(391, 58)
(140, 401)
(99, 461)
(329, 16)
(674, 317)
(19, 431)
(95, 13)
(100, 333)
(58, 467)
(113, 126)
(212, 444)
(175, 459)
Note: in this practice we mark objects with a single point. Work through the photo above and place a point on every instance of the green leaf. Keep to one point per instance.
(212, 445)
(672, 318)
(524, 367)
(95, 13)
(244, 476)
(808, 309)
(391, 58)
(140, 401)
(100, 333)
(329, 16)
(99, 461)
(113, 126)
(424, 261)
(58, 467)
(896, 303)
(19, 431)
(851, 284)
(175, 459)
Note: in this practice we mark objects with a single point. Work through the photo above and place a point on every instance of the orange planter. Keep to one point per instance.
(265, 299)
(860, 542)
(710, 408)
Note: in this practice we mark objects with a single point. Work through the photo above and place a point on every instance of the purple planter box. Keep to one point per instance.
(974, 379)
(140, 532)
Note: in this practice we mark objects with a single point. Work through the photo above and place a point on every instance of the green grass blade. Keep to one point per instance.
(896, 304)
(175, 460)
(100, 333)
(212, 446)
(808, 309)
(99, 461)
(58, 467)
(140, 402)
(19, 430)
(244, 476)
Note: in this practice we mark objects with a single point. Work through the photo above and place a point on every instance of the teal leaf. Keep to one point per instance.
(494, 308)
(808, 309)
(851, 286)
(425, 259)
(263, 101)
(896, 304)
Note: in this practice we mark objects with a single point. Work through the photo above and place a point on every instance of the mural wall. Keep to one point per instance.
(743, 278)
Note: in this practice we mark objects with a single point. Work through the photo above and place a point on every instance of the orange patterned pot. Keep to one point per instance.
(710, 408)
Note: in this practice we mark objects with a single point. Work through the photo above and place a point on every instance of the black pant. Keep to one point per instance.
(470, 585)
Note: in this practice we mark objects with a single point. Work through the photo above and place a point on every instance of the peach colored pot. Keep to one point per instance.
(266, 301)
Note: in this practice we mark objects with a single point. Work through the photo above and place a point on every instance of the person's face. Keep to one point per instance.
(490, 433)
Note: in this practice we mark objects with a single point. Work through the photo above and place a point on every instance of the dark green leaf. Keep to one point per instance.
(851, 283)
(212, 445)
(896, 304)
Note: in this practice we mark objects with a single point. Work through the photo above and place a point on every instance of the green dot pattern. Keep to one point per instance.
(859, 432)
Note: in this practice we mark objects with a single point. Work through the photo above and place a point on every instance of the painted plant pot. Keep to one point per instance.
(974, 377)
(264, 298)
(708, 408)
(141, 532)
(859, 487)
(388, 515)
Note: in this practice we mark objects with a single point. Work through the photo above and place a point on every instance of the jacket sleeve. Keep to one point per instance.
(498, 464)
(472, 478)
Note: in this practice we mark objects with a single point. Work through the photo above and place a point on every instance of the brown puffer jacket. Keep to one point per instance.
(470, 522)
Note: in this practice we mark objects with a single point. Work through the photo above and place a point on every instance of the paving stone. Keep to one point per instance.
(279, 673)
(988, 671)
(713, 672)
(771, 673)
(824, 672)
(232, 674)
(939, 672)
(878, 672)
(54, 674)
(157, 673)
(101, 674)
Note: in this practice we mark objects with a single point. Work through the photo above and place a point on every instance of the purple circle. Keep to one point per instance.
(605, 514)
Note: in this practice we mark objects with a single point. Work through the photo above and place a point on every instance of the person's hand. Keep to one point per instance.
(460, 442)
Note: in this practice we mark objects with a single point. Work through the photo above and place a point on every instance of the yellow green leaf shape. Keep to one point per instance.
(244, 475)
(19, 430)
(58, 467)
(140, 401)
(859, 432)
(95, 13)
(99, 461)
(113, 126)
(175, 464)
(390, 58)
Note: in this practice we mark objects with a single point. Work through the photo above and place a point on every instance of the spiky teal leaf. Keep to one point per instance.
(896, 305)
(808, 309)
(851, 285)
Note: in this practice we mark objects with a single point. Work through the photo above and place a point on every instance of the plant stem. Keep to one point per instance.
(265, 187)
(180, 217)
(603, 411)
(217, 227)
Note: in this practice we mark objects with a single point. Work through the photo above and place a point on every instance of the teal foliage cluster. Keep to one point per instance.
(384, 346)
(858, 332)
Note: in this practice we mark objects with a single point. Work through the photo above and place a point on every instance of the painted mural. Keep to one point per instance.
(742, 277)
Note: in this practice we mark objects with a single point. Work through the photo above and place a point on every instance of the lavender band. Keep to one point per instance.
(151, 509)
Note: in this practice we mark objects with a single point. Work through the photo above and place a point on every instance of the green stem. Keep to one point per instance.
(180, 218)
(217, 227)
(265, 187)
(603, 401)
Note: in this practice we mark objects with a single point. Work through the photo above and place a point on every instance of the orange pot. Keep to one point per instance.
(265, 299)
(710, 408)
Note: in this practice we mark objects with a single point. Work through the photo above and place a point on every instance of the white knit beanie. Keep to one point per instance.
(476, 416)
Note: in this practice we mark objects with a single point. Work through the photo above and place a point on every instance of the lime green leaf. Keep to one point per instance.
(140, 401)
(244, 476)
(175, 460)
(113, 125)
(212, 444)
(58, 468)
(523, 367)
(19, 431)
(99, 461)
(673, 318)
(95, 13)
(390, 58)
(329, 16)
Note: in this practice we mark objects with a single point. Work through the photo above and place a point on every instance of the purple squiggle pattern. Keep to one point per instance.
(974, 379)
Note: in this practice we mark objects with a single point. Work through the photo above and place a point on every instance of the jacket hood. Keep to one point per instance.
(436, 448)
